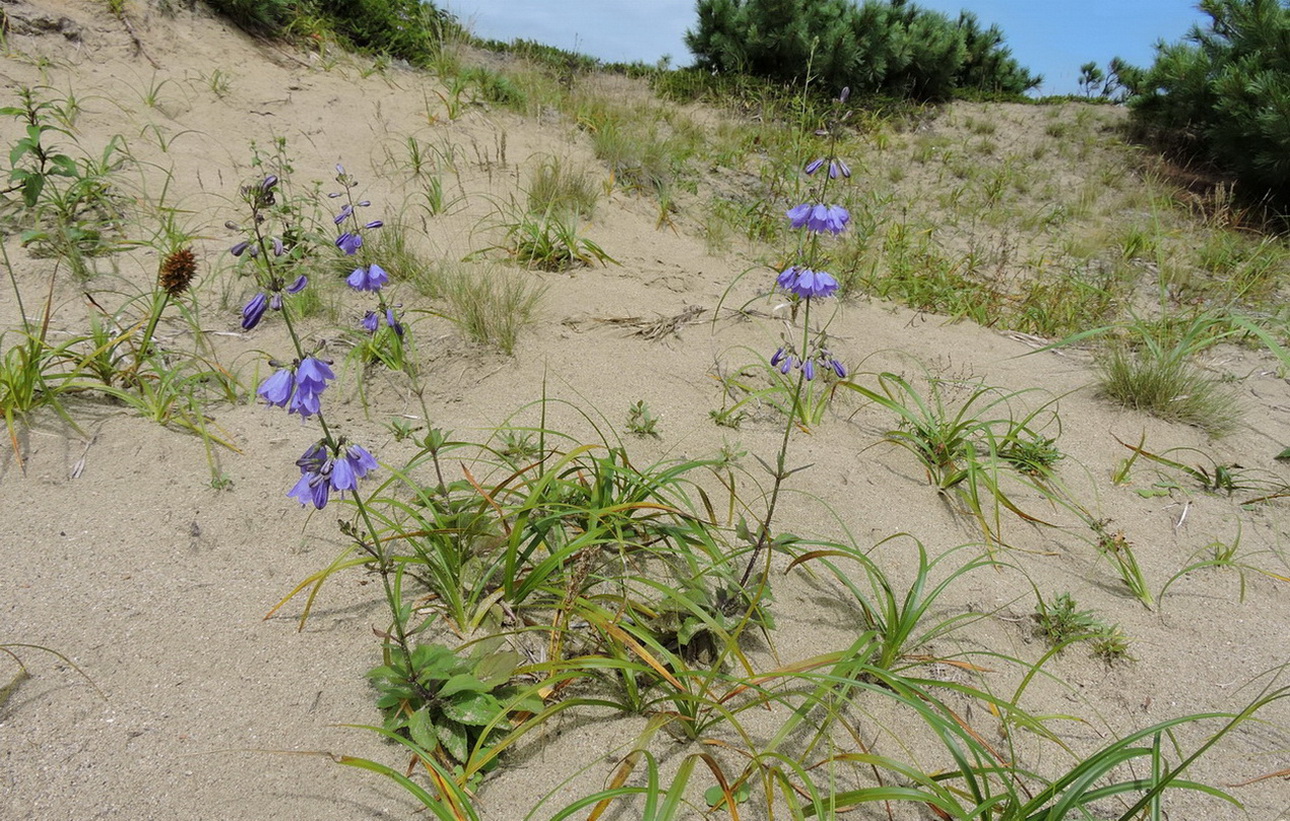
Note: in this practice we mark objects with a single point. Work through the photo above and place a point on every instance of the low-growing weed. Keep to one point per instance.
(1061, 623)
(452, 707)
(972, 448)
(896, 617)
(11, 649)
(550, 242)
(33, 372)
(1117, 548)
(1223, 555)
(641, 421)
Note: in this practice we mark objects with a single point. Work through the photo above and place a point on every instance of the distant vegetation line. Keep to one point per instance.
(1221, 96)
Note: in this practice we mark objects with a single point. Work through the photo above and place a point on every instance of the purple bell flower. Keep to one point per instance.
(312, 376)
(277, 389)
(805, 283)
(371, 278)
(314, 484)
(836, 219)
(799, 214)
(349, 243)
(349, 468)
(370, 322)
(819, 218)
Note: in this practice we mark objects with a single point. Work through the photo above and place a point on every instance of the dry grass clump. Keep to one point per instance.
(491, 304)
(557, 189)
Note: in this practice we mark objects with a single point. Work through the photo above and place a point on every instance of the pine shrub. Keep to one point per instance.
(1223, 95)
(894, 49)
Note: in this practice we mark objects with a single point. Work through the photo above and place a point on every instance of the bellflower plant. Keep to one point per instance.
(331, 467)
(805, 284)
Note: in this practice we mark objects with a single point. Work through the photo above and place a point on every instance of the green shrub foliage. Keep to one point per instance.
(262, 17)
(1223, 94)
(407, 29)
(890, 48)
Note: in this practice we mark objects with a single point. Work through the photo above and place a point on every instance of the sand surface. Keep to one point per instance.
(118, 553)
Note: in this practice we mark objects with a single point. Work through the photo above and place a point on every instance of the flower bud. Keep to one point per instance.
(253, 310)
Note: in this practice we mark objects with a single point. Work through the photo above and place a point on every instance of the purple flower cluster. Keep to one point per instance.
(837, 168)
(785, 360)
(803, 281)
(328, 465)
(819, 218)
(321, 473)
(806, 283)
(298, 388)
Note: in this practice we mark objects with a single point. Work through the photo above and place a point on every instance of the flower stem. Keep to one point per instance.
(763, 531)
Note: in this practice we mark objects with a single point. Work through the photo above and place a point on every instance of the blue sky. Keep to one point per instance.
(1050, 37)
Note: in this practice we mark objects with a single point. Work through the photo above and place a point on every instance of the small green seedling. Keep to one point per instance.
(640, 421)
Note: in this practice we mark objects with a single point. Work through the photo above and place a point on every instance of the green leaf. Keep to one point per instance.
(715, 794)
(1153, 491)
(476, 709)
(1284, 455)
(433, 662)
(64, 166)
(462, 683)
(31, 190)
(689, 629)
(497, 667)
(453, 738)
(20, 148)
(422, 730)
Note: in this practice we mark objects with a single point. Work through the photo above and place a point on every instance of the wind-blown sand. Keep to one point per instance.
(118, 553)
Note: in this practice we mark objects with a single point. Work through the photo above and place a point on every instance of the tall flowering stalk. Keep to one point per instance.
(805, 283)
(330, 467)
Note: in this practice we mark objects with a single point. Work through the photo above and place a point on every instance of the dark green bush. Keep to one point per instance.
(262, 17)
(1223, 95)
(891, 48)
(407, 29)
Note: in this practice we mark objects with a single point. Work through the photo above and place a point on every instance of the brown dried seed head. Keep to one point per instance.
(177, 271)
